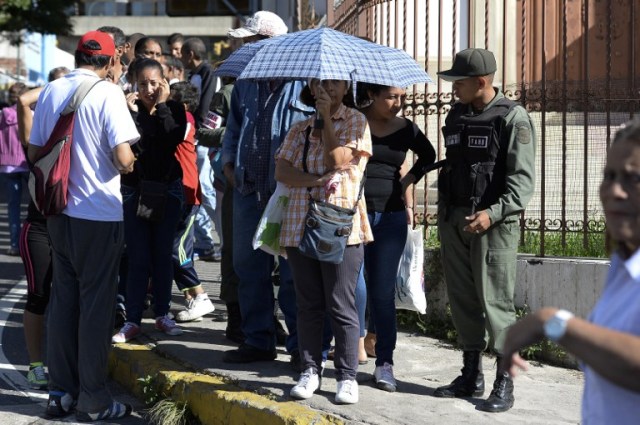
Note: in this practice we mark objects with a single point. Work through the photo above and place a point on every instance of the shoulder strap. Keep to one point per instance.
(81, 92)
(305, 153)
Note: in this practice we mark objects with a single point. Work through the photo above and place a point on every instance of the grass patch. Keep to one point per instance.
(162, 409)
(573, 244)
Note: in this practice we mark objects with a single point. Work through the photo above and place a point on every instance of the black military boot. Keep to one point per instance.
(470, 383)
(501, 398)
(234, 323)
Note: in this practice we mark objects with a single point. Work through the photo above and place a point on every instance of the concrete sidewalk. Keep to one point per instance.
(190, 367)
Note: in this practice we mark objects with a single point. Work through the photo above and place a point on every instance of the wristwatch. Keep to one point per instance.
(556, 326)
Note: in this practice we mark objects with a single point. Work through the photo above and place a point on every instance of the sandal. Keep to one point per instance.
(115, 411)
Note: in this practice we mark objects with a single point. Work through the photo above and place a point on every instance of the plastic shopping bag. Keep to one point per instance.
(267, 236)
(410, 281)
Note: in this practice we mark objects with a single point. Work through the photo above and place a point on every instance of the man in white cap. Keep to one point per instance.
(261, 25)
(259, 118)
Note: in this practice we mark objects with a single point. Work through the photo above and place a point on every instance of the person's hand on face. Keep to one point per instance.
(323, 102)
(131, 101)
(163, 91)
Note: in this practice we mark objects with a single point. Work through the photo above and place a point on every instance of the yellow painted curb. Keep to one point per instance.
(208, 397)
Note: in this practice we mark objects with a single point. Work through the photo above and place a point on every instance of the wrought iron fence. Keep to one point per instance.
(571, 63)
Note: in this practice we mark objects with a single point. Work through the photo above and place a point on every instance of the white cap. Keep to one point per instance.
(261, 23)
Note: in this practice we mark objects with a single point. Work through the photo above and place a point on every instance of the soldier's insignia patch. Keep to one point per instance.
(523, 133)
(478, 142)
(452, 140)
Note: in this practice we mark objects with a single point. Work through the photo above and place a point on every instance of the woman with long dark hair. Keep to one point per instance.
(150, 227)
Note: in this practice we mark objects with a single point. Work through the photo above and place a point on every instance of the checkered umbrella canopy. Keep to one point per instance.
(238, 60)
(327, 54)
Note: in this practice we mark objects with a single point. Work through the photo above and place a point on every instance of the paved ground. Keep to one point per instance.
(191, 369)
(544, 395)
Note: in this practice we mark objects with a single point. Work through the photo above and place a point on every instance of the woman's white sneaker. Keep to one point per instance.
(308, 383)
(195, 308)
(347, 392)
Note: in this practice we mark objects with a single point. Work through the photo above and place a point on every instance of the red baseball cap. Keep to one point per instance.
(107, 46)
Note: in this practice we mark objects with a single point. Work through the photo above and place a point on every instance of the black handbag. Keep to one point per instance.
(326, 226)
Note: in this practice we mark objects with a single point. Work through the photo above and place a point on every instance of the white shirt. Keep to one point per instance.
(102, 122)
(618, 308)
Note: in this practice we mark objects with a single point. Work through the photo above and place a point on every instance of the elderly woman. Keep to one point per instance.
(336, 153)
(608, 343)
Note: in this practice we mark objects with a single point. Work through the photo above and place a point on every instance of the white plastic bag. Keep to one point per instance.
(267, 236)
(410, 281)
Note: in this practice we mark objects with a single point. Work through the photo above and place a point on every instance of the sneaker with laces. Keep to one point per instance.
(60, 404)
(347, 392)
(308, 383)
(168, 326)
(128, 332)
(383, 377)
(195, 309)
(36, 377)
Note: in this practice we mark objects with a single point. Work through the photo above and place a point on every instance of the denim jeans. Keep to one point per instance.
(361, 300)
(13, 183)
(204, 217)
(149, 252)
(255, 289)
(381, 259)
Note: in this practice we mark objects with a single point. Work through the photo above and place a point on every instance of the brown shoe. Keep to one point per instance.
(370, 345)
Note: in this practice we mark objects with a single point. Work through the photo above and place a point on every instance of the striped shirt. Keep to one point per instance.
(351, 130)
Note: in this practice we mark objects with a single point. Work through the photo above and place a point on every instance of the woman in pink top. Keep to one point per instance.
(13, 164)
(340, 150)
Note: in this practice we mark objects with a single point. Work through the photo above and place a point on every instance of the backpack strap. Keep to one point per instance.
(81, 92)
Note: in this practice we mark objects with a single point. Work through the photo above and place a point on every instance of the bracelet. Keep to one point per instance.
(408, 206)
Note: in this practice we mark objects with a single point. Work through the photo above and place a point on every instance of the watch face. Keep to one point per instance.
(555, 327)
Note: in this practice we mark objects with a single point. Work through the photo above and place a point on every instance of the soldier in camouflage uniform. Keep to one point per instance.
(486, 183)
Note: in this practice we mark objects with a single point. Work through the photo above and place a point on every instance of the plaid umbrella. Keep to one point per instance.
(238, 60)
(327, 54)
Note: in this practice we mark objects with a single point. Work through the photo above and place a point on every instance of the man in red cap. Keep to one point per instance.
(87, 237)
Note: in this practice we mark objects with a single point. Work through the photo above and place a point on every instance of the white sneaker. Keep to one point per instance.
(128, 332)
(383, 377)
(195, 309)
(308, 383)
(347, 392)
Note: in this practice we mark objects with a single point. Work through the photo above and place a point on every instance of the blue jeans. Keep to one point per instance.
(361, 300)
(204, 217)
(149, 252)
(381, 259)
(13, 185)
(255, 289)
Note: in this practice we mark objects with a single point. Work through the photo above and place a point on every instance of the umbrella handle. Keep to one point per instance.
(318, 123)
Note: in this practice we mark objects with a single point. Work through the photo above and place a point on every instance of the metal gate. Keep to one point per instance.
(571, 63)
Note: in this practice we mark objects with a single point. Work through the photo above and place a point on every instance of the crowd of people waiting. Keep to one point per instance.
(174, 153)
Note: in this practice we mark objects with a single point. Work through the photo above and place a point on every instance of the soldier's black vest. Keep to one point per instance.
(474, 175)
